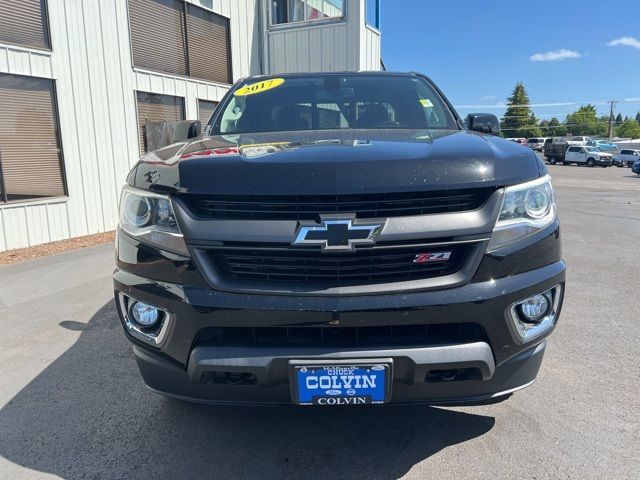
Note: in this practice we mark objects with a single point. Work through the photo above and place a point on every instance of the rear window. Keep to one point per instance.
(333, 101)
(574, 149)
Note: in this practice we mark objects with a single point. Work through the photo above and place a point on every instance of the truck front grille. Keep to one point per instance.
(310, 207)
(343, 337)
(372, 265)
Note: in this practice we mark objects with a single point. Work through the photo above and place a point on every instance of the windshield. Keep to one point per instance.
(593, 149)
(330, 101)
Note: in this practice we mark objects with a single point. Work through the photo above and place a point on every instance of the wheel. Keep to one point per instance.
(553, 161)
(591, 162)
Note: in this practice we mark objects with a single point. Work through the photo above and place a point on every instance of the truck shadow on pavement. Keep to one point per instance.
(88, 415)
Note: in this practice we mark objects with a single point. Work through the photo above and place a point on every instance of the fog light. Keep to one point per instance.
(535, 315)
(144, 315)
(535, 308)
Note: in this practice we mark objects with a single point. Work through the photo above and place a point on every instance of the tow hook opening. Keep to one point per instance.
(452, 374)
(230, 378)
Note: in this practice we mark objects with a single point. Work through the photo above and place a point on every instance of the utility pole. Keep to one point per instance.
(613, 104)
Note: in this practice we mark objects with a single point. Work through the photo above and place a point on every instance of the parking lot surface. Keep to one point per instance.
(74, 406)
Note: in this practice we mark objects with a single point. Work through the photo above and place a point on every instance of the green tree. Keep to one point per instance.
(638, 116)
(557, 129)
(619, 119)
(584, 121)
(519, 120)
(629, 129)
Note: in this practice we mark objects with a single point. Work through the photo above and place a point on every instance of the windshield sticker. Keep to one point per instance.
(426, 103)
(259, 87)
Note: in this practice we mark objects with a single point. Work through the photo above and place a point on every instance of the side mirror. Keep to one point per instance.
(186, 129)
(195, 129)
(160, 134)
(483, 123)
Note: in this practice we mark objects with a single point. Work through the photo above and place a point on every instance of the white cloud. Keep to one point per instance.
(625, 41)
(555, 55)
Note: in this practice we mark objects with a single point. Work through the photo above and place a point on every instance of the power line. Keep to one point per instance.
(549, 104)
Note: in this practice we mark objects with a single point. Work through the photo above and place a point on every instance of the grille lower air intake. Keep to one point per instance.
(344, 337)
(310, 207)
(370, 265)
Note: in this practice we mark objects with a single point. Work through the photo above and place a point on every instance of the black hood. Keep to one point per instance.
(336, 162)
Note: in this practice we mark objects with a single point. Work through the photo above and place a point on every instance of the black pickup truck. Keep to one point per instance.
(339, 239)
(555, 149)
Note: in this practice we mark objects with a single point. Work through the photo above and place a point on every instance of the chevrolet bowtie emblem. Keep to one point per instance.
(338, 234)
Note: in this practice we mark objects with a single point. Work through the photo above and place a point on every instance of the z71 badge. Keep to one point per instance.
(432, 257)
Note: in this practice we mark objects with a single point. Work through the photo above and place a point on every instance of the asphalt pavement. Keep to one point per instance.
(74, 406)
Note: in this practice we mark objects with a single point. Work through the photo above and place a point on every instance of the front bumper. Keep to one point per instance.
(409, 385)
(183, 368)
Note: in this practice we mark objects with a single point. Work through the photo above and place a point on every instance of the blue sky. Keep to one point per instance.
(477, 50)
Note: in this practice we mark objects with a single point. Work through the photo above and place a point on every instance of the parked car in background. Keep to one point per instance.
(616, 161)
(581, 141)
(521, 141)
(627, 157)
(606, 145)
(635, 168)
(554, 149)
(589, 156)
(536, 144)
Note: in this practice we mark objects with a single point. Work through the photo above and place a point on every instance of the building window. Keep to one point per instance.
(156, 116)
(290, 11)
(372, 13)
(24, 22)
(30, 155)
(208, 44)
(179, 38)
(205, 110)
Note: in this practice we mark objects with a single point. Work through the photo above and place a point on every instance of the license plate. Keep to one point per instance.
(341, 383)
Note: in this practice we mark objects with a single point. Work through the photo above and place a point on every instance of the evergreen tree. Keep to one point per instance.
(638, 116)
(619, 119)
(518, 117)
(557, 130)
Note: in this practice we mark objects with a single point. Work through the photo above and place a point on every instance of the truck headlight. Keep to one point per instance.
(526, 209)
(149, 217)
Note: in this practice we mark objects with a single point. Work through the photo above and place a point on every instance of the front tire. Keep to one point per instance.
(591, 162)
(552, 161)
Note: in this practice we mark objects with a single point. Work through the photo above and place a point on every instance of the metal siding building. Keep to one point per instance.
(95, 83)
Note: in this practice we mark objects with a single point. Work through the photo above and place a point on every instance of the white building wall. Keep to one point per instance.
(370, 49)
(96, 83)
(338, 44)
(95, 80)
